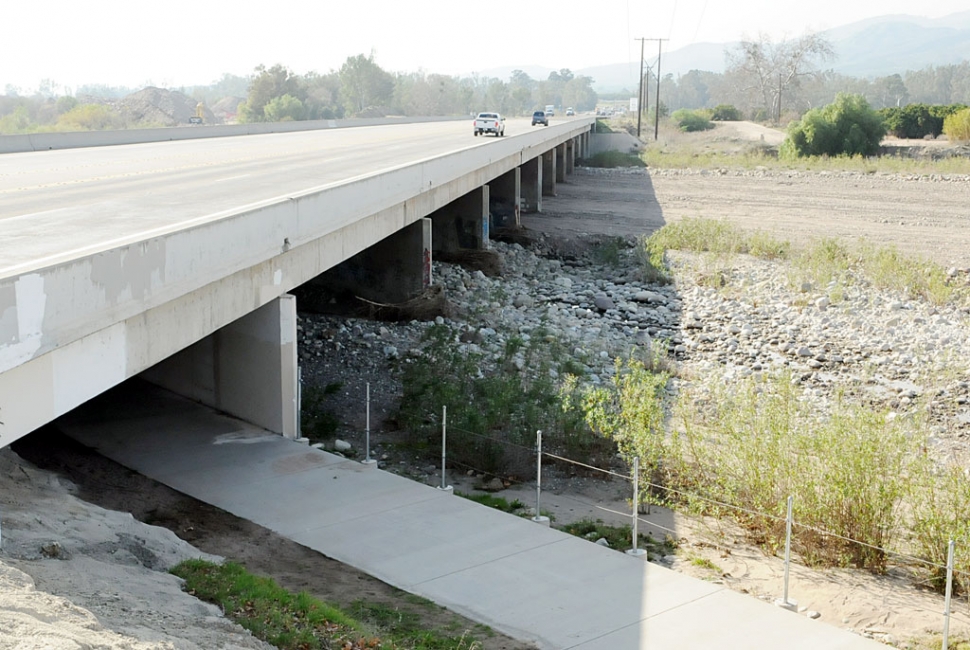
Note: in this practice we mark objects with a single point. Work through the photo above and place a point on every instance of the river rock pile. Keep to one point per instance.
(896, 352)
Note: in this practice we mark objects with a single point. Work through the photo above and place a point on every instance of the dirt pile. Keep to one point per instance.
(161, 107)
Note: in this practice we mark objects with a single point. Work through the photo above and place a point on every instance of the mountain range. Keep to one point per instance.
(874, 47)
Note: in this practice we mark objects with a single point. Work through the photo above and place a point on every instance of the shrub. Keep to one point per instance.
(689, 121)
(941, 512)
(918, 121)
(495, 406)
(725, 113)
(752, 444)
(956, 126)
(848, 126)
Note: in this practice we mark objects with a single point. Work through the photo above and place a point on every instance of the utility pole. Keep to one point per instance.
(640, 94)
(656, 117)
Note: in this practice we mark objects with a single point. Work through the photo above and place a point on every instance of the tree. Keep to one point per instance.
(765, 71)
(847, 126)
(363, 83)
(322, 96)
(267, 85)
(284, 109)
(890, 91)
(578, 92)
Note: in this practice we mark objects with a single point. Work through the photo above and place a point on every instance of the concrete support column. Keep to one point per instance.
(561, 166)
(247, 369)
(463, 223)
(549, 176)
(531, 177)
(504, 194)
(391, 271)
(571, 156)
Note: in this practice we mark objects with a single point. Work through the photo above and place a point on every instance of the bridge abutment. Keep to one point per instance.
(247, 369)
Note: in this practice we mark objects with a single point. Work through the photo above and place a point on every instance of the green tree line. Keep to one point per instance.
(359, 88)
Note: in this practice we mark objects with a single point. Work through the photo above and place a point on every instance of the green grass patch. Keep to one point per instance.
(704, 563)
(619, 537)
(756, 155)
(271, 613)
(405, 629)
(719, 238)
(301, 622)
(832, 262)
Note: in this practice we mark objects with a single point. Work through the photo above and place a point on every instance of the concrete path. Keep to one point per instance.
(528, 581)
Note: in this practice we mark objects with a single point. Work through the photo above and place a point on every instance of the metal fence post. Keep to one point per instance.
(635, 549)
(539, 518)
(299, 401)
(367, 459)
(444, 442)
(949, 594)
(784, 602)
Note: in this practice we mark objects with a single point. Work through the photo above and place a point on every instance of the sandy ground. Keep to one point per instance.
(925, 216)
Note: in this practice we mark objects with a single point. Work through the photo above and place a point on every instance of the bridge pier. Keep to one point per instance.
(561, 165)
(530, 174)
(549, 174)
(393, 270)
(463, 223)
(570, 156)
(247, 369)
(505, 198)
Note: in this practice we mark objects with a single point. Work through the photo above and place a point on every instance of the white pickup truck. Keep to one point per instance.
(490, 123)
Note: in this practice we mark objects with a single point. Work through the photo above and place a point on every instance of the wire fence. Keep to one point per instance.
(635, 500)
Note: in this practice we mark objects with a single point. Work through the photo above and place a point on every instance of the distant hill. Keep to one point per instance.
(889, 44)
(874, 47)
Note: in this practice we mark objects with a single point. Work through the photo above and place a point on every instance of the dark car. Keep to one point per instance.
(539, 117)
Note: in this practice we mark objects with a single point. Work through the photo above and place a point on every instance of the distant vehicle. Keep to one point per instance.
(490, 123)
(539, 117)
(570, 112)
(550, 110)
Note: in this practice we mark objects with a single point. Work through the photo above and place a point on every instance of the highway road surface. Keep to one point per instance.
(57, 204)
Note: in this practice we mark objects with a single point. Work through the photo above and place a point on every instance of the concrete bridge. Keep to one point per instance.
(173, 260)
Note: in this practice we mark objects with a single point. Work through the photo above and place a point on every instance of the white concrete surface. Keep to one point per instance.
(526, 580)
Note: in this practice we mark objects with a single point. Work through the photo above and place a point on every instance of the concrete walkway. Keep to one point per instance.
(528, 581)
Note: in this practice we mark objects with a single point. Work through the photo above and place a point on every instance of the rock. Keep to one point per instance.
(603, 302)
(813, 614)
(341, 445)
(523, 300)
(602, 541)
(493, 485)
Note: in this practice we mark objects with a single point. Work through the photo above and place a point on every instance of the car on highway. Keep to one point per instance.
(570, 112)
(539, 117)
(490, 123)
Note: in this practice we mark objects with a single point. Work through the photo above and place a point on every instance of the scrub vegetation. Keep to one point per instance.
(864, 489)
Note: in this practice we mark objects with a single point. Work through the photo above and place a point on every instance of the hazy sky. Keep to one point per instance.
(179, 42)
